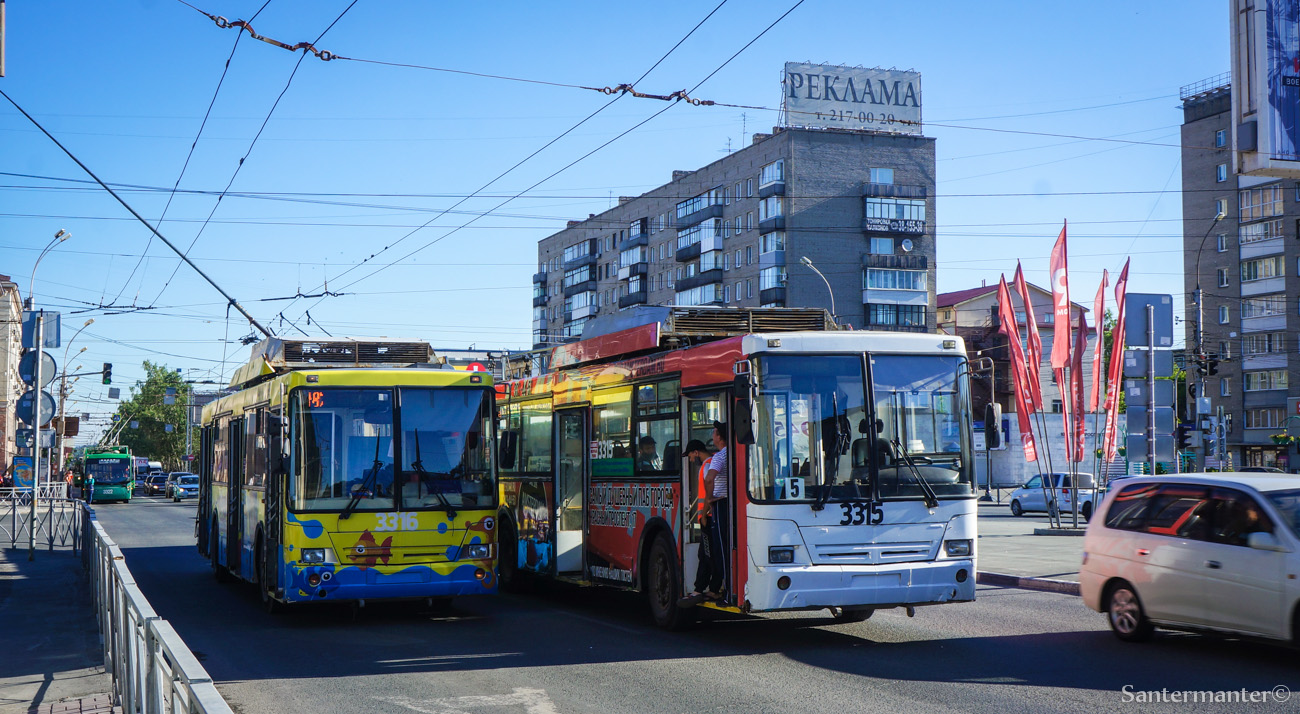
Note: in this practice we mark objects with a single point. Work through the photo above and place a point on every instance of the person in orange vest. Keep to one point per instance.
(711, 577)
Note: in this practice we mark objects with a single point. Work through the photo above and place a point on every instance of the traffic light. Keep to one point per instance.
(1212, 366)
(1191, 391)
(108, 373)
(1182, 437)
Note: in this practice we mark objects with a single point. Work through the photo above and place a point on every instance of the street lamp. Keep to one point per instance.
(59, 237)
(809, 265)
(1200, 305)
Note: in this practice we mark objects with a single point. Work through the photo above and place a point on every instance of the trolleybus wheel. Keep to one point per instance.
(663, 586)
(269, 603)
(842, 615)
(511, 580)
(219, 571)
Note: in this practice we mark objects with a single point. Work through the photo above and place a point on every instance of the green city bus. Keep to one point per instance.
(113, 472)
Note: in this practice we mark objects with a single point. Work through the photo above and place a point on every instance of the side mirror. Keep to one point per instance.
(1264, 541)
(275, 445)
(992, 425)
(742, 413)
(506, 448)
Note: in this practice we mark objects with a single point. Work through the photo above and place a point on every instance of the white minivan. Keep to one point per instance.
(1032, 496)
(1210, 552)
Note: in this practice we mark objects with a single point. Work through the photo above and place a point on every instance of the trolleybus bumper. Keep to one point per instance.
(324, 584)
(884, 586)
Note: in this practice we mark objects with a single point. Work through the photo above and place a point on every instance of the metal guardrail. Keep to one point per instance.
(56, 489)
(1205, 86)
(153, 671)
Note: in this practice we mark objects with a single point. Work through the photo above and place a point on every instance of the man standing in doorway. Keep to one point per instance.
(713, 574)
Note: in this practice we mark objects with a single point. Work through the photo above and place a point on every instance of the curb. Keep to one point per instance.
(1065, 587)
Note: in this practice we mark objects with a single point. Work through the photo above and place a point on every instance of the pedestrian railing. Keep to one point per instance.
(153, 671)
(58, 521)
(53, 489)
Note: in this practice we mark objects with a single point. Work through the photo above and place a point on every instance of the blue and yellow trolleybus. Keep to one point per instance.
(344, 470)
(111, 468)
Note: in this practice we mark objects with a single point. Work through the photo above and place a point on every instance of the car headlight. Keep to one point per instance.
(957, 548)
(313, 555)
(476, 551)
(777, 555)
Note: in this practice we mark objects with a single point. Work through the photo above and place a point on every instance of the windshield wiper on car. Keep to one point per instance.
(418, 465)
(365, 484)
(931, 498)
(839, 445)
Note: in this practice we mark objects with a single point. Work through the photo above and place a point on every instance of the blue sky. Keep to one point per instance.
(356, 155)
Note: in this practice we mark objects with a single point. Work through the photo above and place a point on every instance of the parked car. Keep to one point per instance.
(1260, 470)
(187, 486)
(155, 485)
(174, 478)
(1033, 497)
(1201, 552)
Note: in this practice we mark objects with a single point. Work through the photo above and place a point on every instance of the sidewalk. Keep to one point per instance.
(51, 657)
(1011, 555)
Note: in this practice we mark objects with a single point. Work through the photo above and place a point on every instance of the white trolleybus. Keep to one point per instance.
(850, 464)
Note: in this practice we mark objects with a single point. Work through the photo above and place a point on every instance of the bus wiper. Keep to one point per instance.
(839, 436)
(365, 485)
(931, 498)
(418, 464)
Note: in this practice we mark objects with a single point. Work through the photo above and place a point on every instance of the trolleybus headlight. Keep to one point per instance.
(477, 551)
(778, 555)
(955, 548)
(313, 555)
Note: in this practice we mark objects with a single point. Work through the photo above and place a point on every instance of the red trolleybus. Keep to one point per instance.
(850, 469)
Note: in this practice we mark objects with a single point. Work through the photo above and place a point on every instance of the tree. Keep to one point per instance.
(146, 406)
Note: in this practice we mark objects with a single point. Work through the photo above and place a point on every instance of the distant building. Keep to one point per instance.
(859, 205)
(1244, 265)
(11, 385)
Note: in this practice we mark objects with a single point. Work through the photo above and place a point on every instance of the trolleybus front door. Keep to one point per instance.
(570, 491)
(702, 409)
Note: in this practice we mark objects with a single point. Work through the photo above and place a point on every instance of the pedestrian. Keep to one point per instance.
(713, 573)
(89, 490)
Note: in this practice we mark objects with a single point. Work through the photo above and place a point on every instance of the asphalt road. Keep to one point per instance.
(591, 650)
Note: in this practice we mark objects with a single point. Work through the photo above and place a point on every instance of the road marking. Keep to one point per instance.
(534, 701)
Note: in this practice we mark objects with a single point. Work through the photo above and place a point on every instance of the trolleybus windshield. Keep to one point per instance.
(814, 431)
(108, 472)
(344, 442)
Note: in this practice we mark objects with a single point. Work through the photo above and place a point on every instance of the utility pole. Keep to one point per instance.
(36, 428)
(2, 38)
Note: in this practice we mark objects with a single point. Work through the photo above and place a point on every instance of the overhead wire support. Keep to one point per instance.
(230, 300)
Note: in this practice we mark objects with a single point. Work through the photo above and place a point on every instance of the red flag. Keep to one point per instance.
(1067, 413)
(1035, 346)
(1007, 316)
(1116, 365)
(1060, 304)
(1098, 312)
(1076, 384)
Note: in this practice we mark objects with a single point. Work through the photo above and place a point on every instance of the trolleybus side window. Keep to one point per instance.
(221, 450)
(446, 448)
(343, 446)
(658, 443)
(922, 412)
(611, 433)
(535, 443)
(255, 448)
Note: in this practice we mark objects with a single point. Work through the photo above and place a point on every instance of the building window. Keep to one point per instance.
(1056, 406)
(1258, 343)
(1261, 306)
(739, 293)
(698, 203)
(1221, 206)
(1221, 173)
(881, 246)
(1266, 418)
(1225, 387)
(749, 188)
(881, 175)
(749, 288)
(749, 220)
(903, 209)
(1223, 243)
(1261, 269)
(772, 241)
(888, 279)
(726, 262)
(1265, 380)
(1223, 277)
(726, 196)
(749, 255)
(1256, 203)
(1223, 314)
(737, 257)
(773, 277)
(772, 173)
(769, 207)
(1225, 349)
(1264, 230)
(726, 294)
(890, 315)
(1220, 139)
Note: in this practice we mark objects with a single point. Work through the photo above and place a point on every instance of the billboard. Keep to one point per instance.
(1266, 87)
(830, 96)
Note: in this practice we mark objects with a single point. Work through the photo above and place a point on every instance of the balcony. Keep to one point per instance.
(768, 296)
(539, 278)
(707, 277)
(900, 262)
(704, 214)
(775, 223)
(636, 298)
(771, 189)
(582, 287)
(580, 255)
(633, 270)
(689, 253)
(579, 262)
(633, 241)
(539, 301)
(771, 259)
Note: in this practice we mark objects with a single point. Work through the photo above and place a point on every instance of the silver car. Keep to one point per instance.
(182, 484)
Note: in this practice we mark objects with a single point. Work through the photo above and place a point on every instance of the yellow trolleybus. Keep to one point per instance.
(346, 470)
